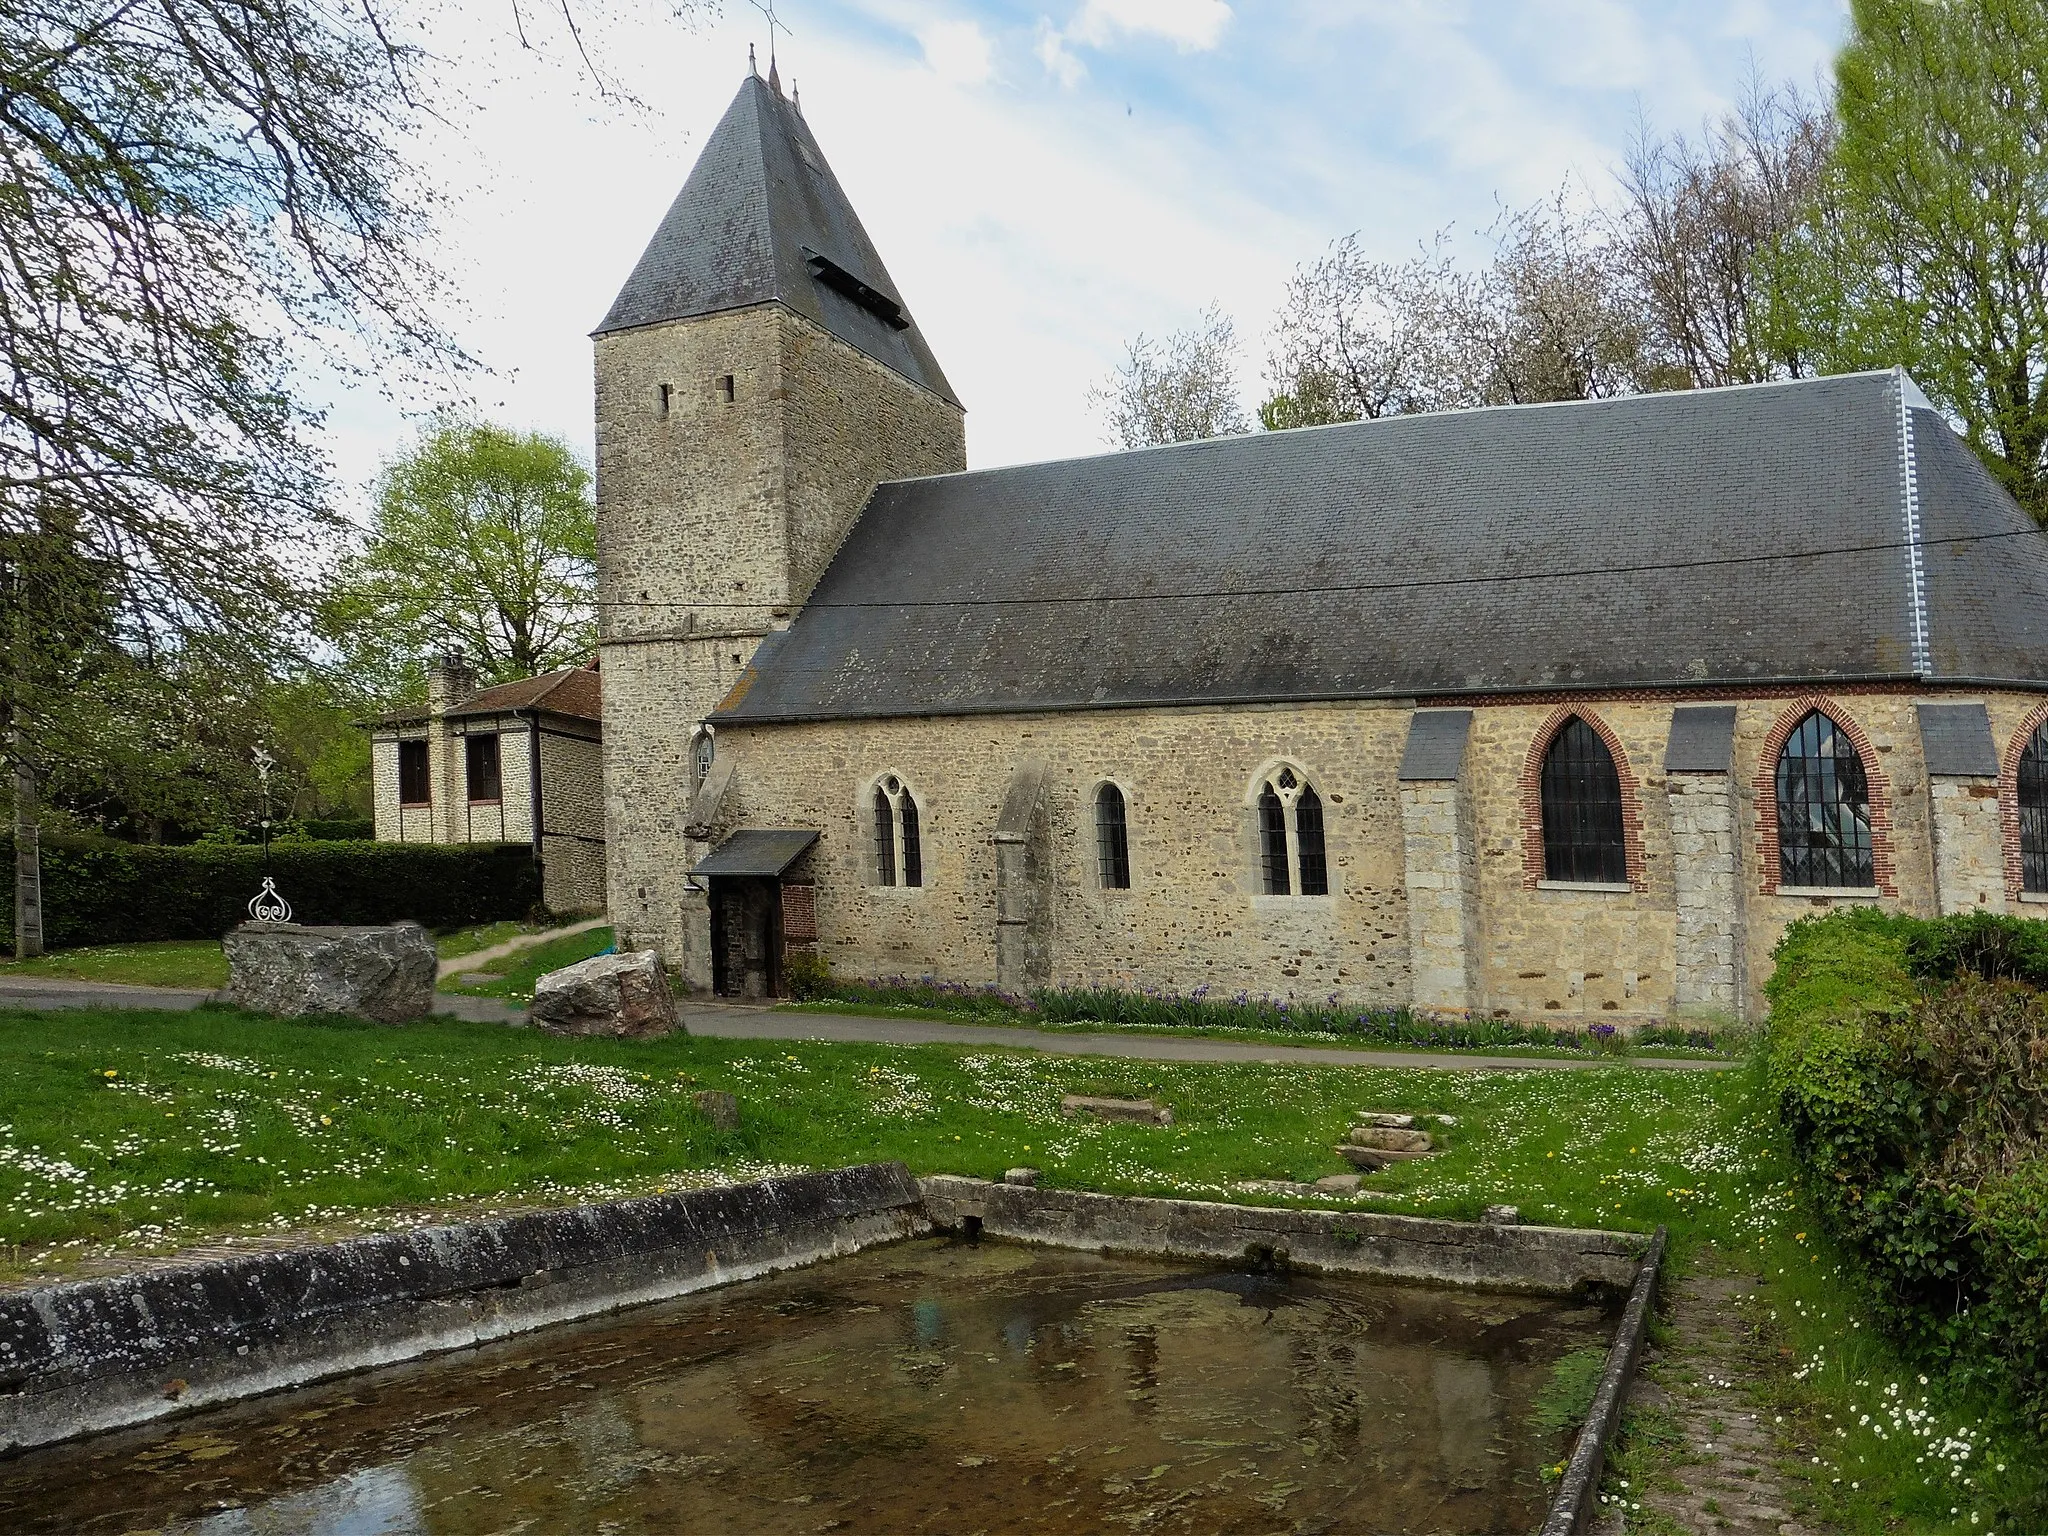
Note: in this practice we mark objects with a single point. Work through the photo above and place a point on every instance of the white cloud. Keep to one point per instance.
(1053, 53)
(957, 51)
(1190, 25)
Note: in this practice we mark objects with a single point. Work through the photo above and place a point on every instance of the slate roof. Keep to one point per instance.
(1735, 536)
(764, 851)
(759, 205)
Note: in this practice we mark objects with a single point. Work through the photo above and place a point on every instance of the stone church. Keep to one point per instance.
(1555, 712)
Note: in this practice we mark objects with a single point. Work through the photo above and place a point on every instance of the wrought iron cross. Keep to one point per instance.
(775, 22)
(268, 906)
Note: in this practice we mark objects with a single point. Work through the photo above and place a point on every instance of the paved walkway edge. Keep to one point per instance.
(1571, 1511)
(764, 1024)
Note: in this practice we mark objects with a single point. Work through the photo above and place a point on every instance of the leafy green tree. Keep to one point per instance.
(485, 538)
(1928, 242)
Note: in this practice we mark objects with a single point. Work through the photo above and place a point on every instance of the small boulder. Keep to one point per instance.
(626, 996)
(384, 973)
(1386, 1120)
(721, 1109)
(1339, 1183)
(1142, 1111)
(1502, 1216)
(1023, 1178)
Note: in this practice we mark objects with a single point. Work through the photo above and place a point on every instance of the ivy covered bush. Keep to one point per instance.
(123, 893)
(1909, 1060)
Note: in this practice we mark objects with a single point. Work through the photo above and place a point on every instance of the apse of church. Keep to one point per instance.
(1557, 712)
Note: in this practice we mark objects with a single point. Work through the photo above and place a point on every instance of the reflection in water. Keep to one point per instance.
(927, 1386)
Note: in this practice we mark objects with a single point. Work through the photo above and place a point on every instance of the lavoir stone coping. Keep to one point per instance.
(96, 1355)
(1554, 1261)
(80, 1358)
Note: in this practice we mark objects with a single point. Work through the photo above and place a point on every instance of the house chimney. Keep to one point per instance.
(450, 680)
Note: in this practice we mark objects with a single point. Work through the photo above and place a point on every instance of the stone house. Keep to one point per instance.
(519, 762)
(1554, 712)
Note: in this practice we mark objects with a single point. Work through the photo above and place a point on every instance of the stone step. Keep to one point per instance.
(1137, 1111)
(1372, 1159)
(1388, 1139)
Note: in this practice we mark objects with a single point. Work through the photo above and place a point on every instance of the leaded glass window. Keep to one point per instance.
(1823, 808)
(1112, 839)
(2033, 795)
(1583, 839)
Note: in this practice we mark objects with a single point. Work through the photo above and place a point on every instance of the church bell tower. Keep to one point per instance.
(758, 375)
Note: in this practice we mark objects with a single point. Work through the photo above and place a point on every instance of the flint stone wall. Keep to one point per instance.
(77, 1359)
(1538, 1260)
(382, 973)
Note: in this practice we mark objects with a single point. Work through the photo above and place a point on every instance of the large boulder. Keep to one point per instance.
(383, 973)
(624, 995)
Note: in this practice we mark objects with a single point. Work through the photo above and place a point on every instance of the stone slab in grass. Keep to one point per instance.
(383, 973)
(1390, 1138)
(624, 996)
(1138, 1111)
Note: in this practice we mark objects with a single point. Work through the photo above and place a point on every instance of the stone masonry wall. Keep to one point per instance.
(715, 518)
(572, 819)
(1706, 859)
(1661, 947)
(1194, 915)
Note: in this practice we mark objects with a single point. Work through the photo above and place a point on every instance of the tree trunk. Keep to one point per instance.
(28, 860)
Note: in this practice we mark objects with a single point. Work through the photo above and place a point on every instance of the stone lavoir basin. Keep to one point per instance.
(933, 1385)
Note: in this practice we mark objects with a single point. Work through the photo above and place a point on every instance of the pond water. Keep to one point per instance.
(925, 1387)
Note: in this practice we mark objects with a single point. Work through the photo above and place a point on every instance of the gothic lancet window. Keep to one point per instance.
(1292, 859)
(1112, 839)
(913, 847)
(1308, 839)
(1583, 841)
(2033, 807)
(899, 841)
(1823, 808)
(885, 840)
(1273, 859)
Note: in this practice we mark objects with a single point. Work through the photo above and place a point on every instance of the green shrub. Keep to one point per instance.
(1909, 1060)
(123, 893)
(806, 975)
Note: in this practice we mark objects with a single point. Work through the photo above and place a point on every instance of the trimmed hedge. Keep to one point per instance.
(1909, 1059)
(124, 893)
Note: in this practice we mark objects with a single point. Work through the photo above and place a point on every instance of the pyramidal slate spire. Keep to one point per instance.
(762, 219)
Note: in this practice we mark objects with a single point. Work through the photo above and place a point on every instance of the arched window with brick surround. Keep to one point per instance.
(1584, 839)
(1292, 857)
(2031, 799)
(1823, 794)
(899, 840)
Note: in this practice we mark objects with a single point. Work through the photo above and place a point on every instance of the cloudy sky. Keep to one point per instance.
(1046, 178)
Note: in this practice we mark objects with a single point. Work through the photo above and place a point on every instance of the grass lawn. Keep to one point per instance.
(124, 1131)
(513, 975)
(175, 963)
(199, 962)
